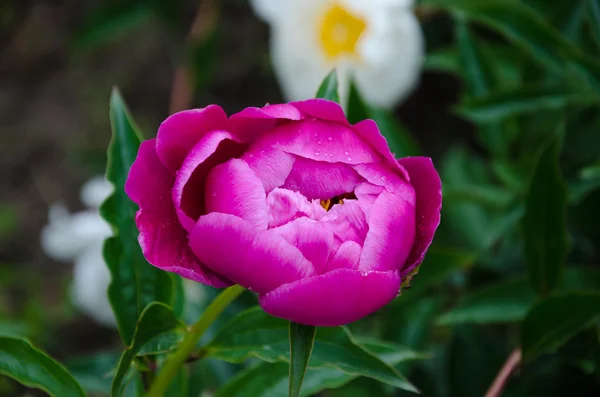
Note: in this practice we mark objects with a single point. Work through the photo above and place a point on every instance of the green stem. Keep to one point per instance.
(176, 360)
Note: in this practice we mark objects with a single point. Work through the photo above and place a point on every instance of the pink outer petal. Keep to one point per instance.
(380, 174)
(181, 131)
(233, 188)
(367, 193)
(163, 241)
(334, 298)
(212, 149)
(322, 109)
(256, 259)
(346, 257)
(391, 233)
(272, 166)
(369, 131)
(319, 180)
(251, 122)
(428, 187)
(347, 222)
(314, 241)
(320, 140)
(285, 206)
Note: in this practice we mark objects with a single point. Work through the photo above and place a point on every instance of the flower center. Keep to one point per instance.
(340, 30)
(329, 203)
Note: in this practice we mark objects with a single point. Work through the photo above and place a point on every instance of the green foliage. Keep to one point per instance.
(544, 223)
(329, 88)
(135, 283)
(271, 379)
(156, 320)
(302, 341)
(254, 333)
(31, 367)
(556, 319)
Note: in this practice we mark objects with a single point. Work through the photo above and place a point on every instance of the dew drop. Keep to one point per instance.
(383, 178)
(251, 155)
(330, 139)
(319, 142)
(317, 153)
(214, 194)
(346, 153)
(330, 154)
(349, 158)
(315, 134)
(262, 152)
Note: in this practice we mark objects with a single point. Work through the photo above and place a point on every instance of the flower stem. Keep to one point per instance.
(510, 365)
(176, 360)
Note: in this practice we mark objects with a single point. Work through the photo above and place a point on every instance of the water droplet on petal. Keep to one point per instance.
(214, 194)
(349, 158)
(251, 155)
(346, 153)
(319, 142)
(330, 139)
(383, 178)
(317, 153)
(315, 134)
(262, 152)
(330, 154)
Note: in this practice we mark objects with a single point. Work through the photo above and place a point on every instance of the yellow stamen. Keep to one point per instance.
(326, 204)
(340, 31)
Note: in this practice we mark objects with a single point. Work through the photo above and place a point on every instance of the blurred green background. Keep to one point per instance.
(507, 107)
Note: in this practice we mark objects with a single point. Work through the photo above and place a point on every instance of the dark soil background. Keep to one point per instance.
(54, 126)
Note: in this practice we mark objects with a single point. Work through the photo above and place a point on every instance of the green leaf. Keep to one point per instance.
(92, 371)
(329, 88)
(509, 300)
(556, 319)
(544, 224)
(500, 105)
(271, 379)
(594, 16)
(397, 136)
(438, 265)
(135, 283)
(505, 302)
(253, 333)
(481, 76)
(302, 341)
(31, 367)
(519, 23)
(155, 320)
(528, 30)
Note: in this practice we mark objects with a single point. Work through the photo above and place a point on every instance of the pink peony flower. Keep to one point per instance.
(290, 201)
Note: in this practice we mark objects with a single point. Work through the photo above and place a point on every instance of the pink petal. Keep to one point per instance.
(256, 259)
(163, 241)
(212, 149)
(369, 131)
(367, 193)
(233, 188)
(251, 122)
(181, 131)
(347, 222)
(380, 174)
(321, 141)
(319, 180)
(322, 109)
(346, 257)
(428, 187)
(272, 166)
(314, 241)
(334, 298)
(391, 233)
(286, 205)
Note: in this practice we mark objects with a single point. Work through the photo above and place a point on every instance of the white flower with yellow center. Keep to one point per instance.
(379, 42)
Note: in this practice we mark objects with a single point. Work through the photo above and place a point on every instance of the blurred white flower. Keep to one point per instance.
(79, 237)
(379, 42)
